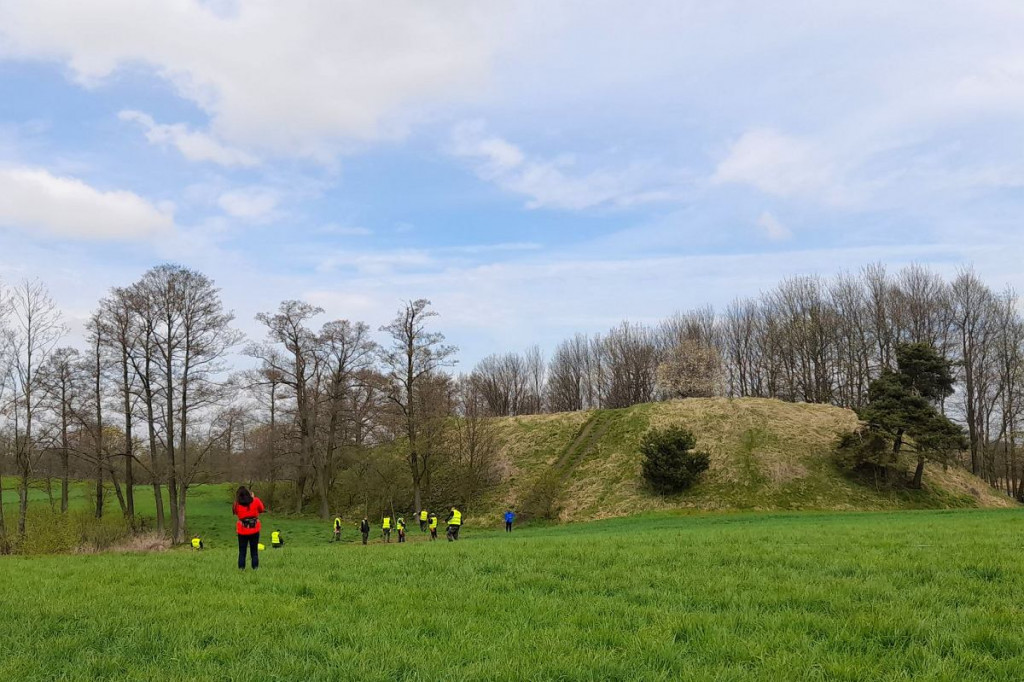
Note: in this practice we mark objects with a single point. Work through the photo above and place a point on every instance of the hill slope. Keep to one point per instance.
(765, 454)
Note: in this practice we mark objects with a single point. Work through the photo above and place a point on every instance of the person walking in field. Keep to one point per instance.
(276, 539)
(433, 527)
(454, 521)
(248, 508)
(401, 529)
(386, 528)
(510, 516)
(424, 516)
(197, 543)
(364, 528)
(337, 529)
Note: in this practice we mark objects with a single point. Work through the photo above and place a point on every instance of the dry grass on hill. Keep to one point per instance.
(765, 455)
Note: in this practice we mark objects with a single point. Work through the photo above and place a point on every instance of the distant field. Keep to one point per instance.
(807, 596)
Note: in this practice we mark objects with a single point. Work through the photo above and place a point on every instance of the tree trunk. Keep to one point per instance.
(172, 474)
(918, 473)
(129, 444)
(99, 434)
(117, 489)
(322, 488)
(153, 458)
(23, 499)
(99, 488)
(181, 524)
(64, 463)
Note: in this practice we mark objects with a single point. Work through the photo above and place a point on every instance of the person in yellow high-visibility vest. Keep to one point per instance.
(276, 540)
(337, 529)
(197, 543)
(454, 524)
(386, 527)
(433, 527)
(424, 517)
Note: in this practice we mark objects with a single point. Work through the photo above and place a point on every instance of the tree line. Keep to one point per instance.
(338, 416)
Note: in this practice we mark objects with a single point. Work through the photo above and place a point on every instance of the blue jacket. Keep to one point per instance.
(509, 517)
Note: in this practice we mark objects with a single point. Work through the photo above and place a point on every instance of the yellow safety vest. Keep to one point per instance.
(456, 518)
(275, 538)
(196, 542)
(433, 522)
(387, 523)
(423, 515)
(337, 523)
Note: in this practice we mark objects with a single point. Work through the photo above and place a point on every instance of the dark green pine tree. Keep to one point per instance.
(904, 405)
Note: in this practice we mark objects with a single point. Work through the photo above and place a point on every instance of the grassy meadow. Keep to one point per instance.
(782, 596)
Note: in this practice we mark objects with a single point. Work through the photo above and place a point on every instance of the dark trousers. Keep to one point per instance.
(508, 526)
(249, 542)
(423, 526)
(366, 536)
(433, 533)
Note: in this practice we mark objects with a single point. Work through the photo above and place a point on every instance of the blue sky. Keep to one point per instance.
(535, 168)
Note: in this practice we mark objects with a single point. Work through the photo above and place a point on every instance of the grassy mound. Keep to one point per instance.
(765, 454)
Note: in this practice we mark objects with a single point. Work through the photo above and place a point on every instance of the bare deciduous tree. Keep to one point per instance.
(413, 356)
(34, 331)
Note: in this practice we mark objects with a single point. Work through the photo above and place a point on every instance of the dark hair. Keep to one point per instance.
(243, 497)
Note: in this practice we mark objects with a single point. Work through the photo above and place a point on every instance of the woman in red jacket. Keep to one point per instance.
(247, 508)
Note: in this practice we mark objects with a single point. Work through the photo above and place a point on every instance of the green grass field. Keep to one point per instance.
(801, 596)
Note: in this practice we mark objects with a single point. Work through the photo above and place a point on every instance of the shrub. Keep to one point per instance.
(670, 463)
(544, 499)
(50, 532)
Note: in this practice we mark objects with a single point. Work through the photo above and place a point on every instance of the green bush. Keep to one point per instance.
(670, 462)
(50, 532)
(544, 499)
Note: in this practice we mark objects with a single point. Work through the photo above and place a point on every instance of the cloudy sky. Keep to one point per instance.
(533, 167)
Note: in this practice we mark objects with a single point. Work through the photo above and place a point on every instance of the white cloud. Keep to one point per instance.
(782, 165)
(772, 228)
(559, 183)
(193, 145)
(289, 78)
(249, 203)
(35, 200)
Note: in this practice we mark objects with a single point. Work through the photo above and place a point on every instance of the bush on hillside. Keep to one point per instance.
(670, 462)
(544, 499)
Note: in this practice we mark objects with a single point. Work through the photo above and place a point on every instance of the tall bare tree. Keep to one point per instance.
(348, 353)
(298, 369)
(61, 382)
(35, 328)
(192, 336)
(413, 356)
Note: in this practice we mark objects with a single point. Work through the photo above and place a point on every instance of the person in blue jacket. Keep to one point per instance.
(509, 518)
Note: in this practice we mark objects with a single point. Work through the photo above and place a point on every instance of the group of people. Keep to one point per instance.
(247, 507)
(428, 522)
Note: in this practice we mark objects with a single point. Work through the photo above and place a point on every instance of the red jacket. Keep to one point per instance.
(251, 512)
